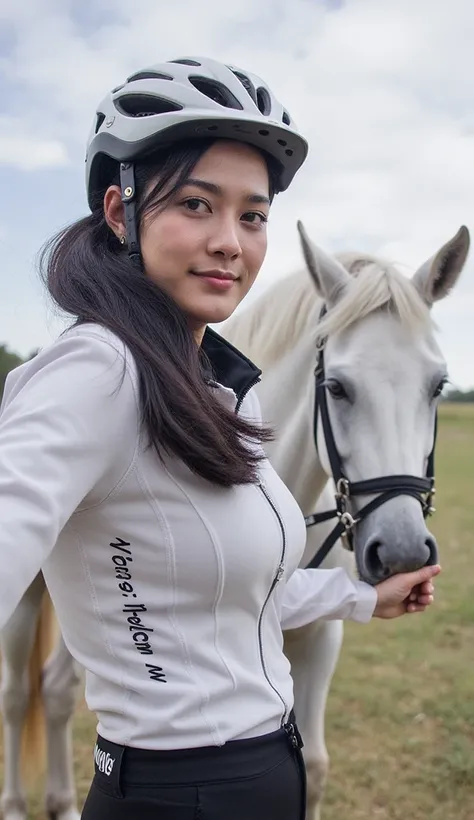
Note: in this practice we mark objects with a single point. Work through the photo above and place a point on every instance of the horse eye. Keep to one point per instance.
(440, 387)
(336, 389)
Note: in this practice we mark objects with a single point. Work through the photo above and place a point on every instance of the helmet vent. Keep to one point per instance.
(216, 91)
(185, 61)
(247, 84)
(149, 75)
(286, 118)
(264, 102)
(100, 119)
(144, 105)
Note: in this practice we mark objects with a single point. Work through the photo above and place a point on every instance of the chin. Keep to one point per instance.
(213, 315)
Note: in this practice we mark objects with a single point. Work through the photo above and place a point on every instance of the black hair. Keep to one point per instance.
(91, 277)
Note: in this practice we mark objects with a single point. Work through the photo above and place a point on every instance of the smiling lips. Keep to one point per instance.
(220, 279)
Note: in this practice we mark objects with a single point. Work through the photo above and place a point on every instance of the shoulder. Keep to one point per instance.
(91, 342)
(84, 358)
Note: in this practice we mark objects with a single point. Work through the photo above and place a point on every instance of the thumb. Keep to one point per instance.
(423, 574)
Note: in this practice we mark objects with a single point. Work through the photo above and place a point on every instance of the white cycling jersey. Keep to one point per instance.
(170, 591)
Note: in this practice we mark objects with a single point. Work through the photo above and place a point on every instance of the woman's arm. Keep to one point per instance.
(330, 594)
(68, 421)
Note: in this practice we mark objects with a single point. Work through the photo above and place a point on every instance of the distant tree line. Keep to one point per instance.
(10, 360)
(466, 396)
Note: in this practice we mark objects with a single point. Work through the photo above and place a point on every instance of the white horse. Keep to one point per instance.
(384, 368)
(380, 372)
(39, 690)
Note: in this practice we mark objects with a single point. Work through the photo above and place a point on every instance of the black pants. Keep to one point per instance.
(258, 779)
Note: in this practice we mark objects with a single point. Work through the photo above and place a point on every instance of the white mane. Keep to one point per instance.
(273, 324)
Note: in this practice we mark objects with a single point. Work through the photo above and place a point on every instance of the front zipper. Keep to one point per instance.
(276, 579)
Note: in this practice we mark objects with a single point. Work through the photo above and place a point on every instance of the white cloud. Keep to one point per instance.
(383, 92)
(22, 148)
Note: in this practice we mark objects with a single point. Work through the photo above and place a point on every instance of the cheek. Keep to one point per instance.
(167, 237)
(256, 254)
(424, 427)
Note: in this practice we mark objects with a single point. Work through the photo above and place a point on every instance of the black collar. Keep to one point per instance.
(229, 366)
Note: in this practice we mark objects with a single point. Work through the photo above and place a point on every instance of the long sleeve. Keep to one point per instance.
(68, 424)
(325, 594)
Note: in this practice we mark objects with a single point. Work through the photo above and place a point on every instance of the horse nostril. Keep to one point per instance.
(374, 562)
(432, 547)
(383, 558)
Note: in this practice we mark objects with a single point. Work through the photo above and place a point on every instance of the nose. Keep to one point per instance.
(385, 555)
(225, 239)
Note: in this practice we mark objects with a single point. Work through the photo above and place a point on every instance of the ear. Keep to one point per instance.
(436, 278)
(329, 277)
(114, 211)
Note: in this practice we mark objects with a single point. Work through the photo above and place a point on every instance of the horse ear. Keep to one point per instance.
(329, 277)
(436, 278)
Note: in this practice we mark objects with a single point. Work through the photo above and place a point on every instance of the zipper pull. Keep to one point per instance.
(281, 571)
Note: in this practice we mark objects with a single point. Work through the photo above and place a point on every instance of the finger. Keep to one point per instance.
(425, 600)
(425, 589)
(420, 576)
(425, 574)
(416, 608)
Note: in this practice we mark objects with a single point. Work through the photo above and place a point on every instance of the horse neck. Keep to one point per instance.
(290, 411)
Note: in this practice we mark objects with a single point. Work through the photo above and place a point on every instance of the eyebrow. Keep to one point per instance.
(212, 188)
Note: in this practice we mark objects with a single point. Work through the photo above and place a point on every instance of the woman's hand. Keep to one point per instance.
(405, 592)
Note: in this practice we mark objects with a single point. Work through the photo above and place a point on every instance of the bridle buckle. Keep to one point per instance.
(429, 509)
(343, 488)
(347, 520)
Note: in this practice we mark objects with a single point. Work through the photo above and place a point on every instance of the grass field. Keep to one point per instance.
(401, 712)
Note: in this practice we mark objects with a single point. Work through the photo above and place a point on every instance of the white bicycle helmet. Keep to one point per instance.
(189, 97)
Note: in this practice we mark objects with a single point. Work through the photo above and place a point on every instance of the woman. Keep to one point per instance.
(132, 468)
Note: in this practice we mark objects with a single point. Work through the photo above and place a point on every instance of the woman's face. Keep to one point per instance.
(206, 247)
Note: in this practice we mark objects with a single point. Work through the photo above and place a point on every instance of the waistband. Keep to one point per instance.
(118, 766)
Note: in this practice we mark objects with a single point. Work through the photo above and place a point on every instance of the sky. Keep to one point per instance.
(383, 91)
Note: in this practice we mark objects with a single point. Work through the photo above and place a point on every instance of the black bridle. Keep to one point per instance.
(384, 487)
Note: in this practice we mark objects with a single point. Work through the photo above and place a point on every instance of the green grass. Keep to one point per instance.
(400, 723)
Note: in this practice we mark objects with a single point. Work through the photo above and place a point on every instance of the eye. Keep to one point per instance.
(336, 389)
(196, 205)
(439, 389)
(255, 218)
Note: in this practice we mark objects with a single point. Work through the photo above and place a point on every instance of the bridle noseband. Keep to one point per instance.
(384, 487)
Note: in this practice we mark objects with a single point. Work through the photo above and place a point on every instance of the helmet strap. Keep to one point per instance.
(128, 191)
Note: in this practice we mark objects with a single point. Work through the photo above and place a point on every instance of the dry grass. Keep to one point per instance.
(401, 710)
